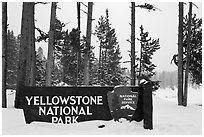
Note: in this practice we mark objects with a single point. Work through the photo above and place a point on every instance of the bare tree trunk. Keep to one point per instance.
(133, 43)
(78, 52)
(78, 14)
(31, 55)
(180, 55)
(188, 56)
(26, 67)
(50, 57)
(100, 63)
(88, 45)
(4, 53)
(140, 68)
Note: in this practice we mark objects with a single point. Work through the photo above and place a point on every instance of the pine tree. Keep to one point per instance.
(192, 50)
(148, 47)
(40, 67)
(195, 65)
(69, 57)
(60, 38)
(187, 56)
(100, 33)
(13, 45)
(93, 69)
(110, 72)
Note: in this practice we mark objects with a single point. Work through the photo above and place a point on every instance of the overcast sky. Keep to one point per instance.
(160, 24)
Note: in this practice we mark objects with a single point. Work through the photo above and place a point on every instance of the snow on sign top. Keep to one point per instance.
(122, 102)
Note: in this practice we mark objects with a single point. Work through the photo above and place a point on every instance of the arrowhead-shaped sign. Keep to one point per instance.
(122, 102)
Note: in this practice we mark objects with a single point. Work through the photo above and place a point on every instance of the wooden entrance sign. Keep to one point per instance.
(68, 105)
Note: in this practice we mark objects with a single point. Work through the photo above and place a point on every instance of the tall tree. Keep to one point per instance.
(26, 68)
(79, 51)
(195, 65)
(148, 47)
(40, 67)
(4, 51)
(109, 70)
(188, 56)
(13, 45)
(180, 55)
(93, 69)
(192, 51)
(133, 77)
(69, 59)
(88, 44)
(50, 57)
(149, 7)
(60, 39)
(101, 32)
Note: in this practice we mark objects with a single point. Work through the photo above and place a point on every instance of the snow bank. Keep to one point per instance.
(168, 119)
(13, 124)
(194, 95)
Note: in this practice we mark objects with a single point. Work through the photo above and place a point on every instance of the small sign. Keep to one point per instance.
(122, 102)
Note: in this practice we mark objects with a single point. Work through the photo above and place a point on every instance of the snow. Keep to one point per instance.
(62, 84)
(194, 95)
(168, 119)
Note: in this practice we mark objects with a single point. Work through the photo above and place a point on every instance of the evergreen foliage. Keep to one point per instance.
(169, 79)
(148, 47)
(69, 59)
(195, 68)
(69, 49)
(40, 67)
(56, 73)
(109, 71)
(69, 56)
(13, 44)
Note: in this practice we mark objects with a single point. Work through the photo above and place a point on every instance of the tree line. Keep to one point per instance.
(71, 59)
(169, 79)
(189, 57)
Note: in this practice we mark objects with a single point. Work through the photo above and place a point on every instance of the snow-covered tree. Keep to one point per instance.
(40, 67)
(69, 59)
(195, 65)
(147, 67)
(110, 72)
(13, 46)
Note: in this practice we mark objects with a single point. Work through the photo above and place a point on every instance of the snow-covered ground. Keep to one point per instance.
(168, 119)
